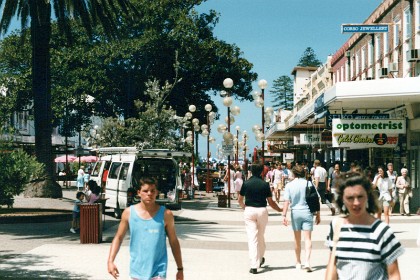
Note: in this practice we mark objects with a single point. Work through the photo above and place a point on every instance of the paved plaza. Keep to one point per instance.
(213, 241)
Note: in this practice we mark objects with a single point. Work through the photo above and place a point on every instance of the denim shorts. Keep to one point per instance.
(302, 219)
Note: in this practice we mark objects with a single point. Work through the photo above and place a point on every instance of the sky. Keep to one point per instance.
(273, 34)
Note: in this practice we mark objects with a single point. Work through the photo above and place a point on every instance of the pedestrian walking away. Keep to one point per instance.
(302, 218)
(149, 225)
(256, 193)
(320, 177)
(362, 247)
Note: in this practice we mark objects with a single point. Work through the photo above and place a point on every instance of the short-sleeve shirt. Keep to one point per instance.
(365, 251)
(320, 173)
(256, 192)
(295, 192)
(277, 174)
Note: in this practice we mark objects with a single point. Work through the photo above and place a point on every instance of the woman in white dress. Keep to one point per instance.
(384, 185)
(232, 181)
(238, 180)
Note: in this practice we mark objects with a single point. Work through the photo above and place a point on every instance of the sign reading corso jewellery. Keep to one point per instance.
(390, 126)
(367, 133)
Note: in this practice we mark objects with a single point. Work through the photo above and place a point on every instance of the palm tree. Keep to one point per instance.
(89, 12)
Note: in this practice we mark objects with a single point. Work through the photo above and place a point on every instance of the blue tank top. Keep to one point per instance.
(148, 255)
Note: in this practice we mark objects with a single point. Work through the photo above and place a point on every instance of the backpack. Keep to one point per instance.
(312, 198)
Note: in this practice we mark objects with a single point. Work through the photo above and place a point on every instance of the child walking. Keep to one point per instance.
(80, 196)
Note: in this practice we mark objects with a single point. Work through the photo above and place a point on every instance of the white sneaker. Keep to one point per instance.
(308, 268)
(72, 230)
(298, 266)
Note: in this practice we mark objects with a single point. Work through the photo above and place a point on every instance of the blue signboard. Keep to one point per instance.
(364, 28)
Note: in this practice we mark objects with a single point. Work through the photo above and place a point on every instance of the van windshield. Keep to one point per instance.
(162, 170)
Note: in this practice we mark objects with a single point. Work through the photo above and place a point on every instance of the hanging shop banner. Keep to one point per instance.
(390, 126)
(360, 141)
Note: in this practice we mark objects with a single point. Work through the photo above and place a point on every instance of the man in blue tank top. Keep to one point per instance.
(149, 225)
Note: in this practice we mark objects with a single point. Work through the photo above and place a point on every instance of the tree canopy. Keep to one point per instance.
(283, 93)
(180, 49)
(309, 58)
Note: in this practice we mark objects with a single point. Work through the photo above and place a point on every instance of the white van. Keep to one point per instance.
(119, 170)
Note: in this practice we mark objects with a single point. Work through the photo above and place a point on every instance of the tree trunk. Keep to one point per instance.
(40, 36)
(40, 12)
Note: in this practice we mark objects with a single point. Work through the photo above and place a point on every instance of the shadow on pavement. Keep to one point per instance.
(29, 266)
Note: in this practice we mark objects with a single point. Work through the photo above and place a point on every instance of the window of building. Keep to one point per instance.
(396, 40)
(407, 23)
(417, 13)
(386, 48)
(357, 64)
(377, 47)
(363, 58)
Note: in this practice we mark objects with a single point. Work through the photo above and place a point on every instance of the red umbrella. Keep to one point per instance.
(89, 158)
(70, 158)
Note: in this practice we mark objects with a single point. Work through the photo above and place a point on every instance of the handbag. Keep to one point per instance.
(312, 198)
(331, 267)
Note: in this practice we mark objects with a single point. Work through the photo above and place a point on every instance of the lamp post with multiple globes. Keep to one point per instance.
(206, 129)
(265, 116)
(227, 136)
(191, 136)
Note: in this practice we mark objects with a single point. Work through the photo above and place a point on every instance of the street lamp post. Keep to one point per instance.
(237, 145)
(191, 136)
(206, 129)
(262, 84)
(227, 136)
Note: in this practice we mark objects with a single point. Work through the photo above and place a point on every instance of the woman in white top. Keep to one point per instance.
(384, 185)
(232, 182)
(238, 180)
(366, 248)
(404, 192)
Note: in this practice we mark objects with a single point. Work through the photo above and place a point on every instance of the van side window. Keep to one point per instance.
(124, 171)
(115, 169)
(97, 168)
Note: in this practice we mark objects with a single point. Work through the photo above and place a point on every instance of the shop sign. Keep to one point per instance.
(307, 139)
(359, 141)
(390, 126)
(364, 28)
(330, 117)
(288, 157)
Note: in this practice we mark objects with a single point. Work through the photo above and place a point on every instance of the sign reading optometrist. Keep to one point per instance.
(367, 133)
(389, 126)
(364, 28)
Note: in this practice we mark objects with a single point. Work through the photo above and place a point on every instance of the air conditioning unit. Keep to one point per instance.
(383, 72)
(413, 55)
(393, 67)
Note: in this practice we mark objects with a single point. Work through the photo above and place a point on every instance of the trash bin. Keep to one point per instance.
(222, 200)
(90, 223)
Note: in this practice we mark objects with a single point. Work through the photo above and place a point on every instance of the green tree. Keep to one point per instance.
(18, 169)
(181, 48)
(309, 58)
(283, 93)
(39, 12)
(155, 127)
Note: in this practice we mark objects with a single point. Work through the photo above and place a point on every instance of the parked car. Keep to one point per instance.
(202, 175)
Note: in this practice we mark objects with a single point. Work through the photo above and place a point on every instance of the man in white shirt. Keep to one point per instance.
(321, 176)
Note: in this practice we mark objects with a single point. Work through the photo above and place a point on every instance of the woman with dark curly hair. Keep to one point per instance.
(363, 247)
